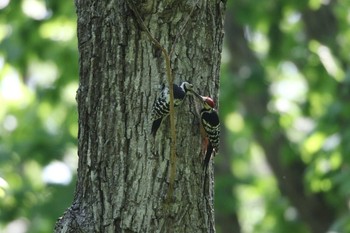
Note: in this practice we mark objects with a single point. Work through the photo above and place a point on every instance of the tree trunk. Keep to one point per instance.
(123, 173)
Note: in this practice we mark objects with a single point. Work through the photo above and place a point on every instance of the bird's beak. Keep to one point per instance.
(197, 95)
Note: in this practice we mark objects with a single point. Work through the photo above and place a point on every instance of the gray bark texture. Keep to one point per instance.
(123, 173)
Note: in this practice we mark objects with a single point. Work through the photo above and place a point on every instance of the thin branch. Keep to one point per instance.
(171, 107)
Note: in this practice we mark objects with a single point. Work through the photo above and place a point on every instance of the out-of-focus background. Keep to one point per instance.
(284, 105)
(38, 113)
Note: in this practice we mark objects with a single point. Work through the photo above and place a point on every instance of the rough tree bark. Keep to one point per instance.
(123, 172)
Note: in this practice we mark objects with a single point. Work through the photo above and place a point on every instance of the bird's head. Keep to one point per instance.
(189, 89)
(208, 102)
(186, 86)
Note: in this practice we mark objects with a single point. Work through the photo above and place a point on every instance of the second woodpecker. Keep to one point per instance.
(161, 107)
(211, 124)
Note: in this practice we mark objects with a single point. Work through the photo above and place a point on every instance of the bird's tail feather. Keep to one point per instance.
(155, 126)
(206, 164)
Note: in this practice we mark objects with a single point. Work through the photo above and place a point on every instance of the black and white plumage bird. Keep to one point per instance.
(211, 125)
(161, 107)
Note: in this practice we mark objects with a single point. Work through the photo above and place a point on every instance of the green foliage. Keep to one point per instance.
(302, 49)
(38, 80)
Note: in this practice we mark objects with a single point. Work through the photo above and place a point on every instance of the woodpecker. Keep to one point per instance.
(161, 106)
(211, 124)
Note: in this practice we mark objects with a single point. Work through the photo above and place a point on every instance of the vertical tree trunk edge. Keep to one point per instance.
(123, 172)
